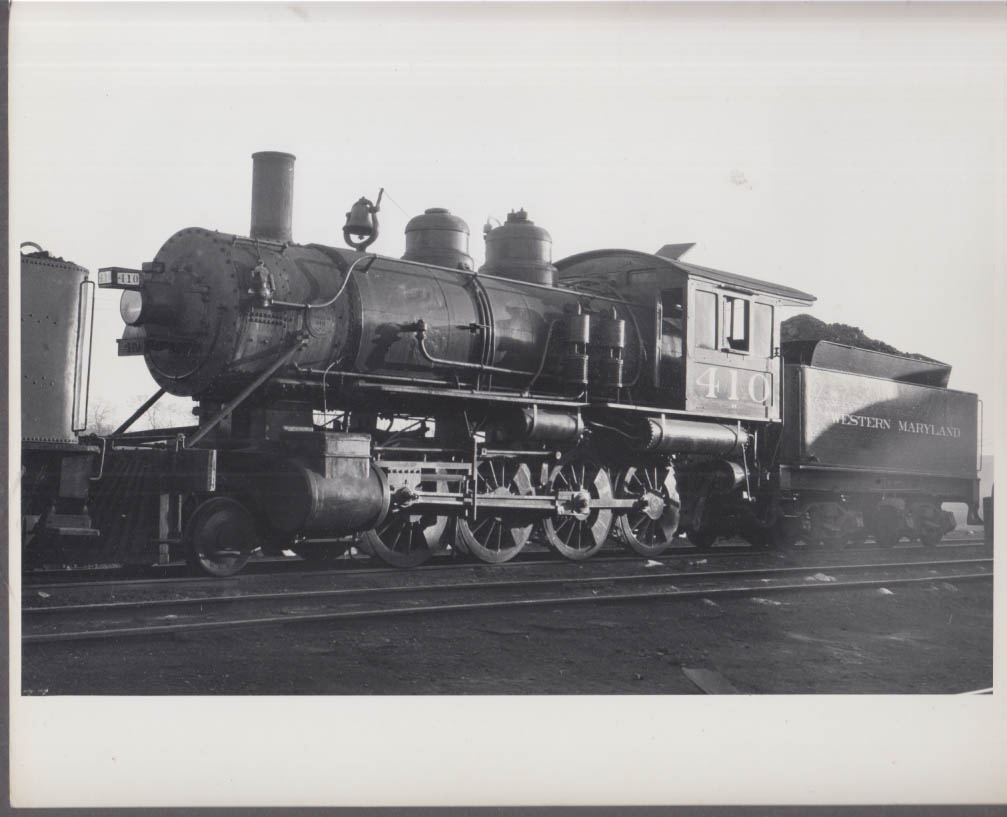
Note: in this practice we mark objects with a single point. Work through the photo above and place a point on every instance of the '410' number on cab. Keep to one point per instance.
(725, 383)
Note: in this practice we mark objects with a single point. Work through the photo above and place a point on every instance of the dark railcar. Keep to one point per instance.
(56, 318)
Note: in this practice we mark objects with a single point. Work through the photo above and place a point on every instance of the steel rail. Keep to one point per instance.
(384, 612)
(485, 585)
(379, 569)
(530, 559)
(632, 578)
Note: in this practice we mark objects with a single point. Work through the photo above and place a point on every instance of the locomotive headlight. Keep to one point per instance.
(131, 307)
(154, 303)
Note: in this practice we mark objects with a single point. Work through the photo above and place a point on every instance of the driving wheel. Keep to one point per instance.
(581, 532)
(497, 536)
(649, 527)
(405, 539)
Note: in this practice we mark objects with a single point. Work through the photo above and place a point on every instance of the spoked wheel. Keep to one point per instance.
(405, 539)
(319, 553)
(581, 534)
(220, 536)
(649, 527)
(497, 537)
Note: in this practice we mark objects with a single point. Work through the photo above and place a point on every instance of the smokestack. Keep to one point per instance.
(272, 195)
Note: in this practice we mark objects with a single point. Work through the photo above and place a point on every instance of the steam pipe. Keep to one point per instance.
(420, 328)
(334, 298)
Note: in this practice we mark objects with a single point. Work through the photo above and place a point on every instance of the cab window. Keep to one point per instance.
(762, 329)
(736, 324)
(705, 324)
(671, 307)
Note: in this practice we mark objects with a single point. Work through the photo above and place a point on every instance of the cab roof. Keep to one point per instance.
(586, 266)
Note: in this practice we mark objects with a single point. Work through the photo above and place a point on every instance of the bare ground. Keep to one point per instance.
(930, 638)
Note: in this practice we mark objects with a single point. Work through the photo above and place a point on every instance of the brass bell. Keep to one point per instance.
(362, 223)
(360, 219)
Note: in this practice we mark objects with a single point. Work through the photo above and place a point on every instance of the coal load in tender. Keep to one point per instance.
(805, 327)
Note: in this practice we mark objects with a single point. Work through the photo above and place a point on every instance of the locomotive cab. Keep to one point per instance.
(732, 358)
(714, 336)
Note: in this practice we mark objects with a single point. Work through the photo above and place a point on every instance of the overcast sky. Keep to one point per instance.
(857, 154)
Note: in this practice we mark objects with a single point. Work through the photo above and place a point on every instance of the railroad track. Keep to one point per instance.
(56, 622)
(294, 568)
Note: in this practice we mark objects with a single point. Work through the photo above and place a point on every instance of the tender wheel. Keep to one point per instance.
(785, 532)
(649, 528)
(931, 522)
(220, 536)
(320, 553)
(581, 534)
(405, 539)
(827, 525)
(498, 537)
(887, 526)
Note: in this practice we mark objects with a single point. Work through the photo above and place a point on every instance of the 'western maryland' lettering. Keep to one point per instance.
(863, 421)
(905, 426)
(929, 429)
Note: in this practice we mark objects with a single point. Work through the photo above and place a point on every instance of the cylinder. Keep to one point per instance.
(343, 492)
(661, 435)
(438, 238)
(520, 250)
(272, 196)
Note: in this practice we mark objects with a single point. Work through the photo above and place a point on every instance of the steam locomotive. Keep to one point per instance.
(410, 404)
